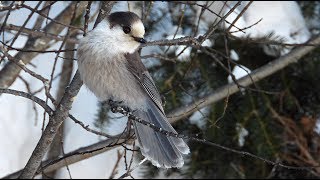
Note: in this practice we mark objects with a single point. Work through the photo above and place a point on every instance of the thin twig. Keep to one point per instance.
(114, 170)
(59, 115)
(245, 81)
(10, 71)
(122, 110)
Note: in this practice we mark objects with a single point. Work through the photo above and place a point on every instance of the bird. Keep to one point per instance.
(110, 66)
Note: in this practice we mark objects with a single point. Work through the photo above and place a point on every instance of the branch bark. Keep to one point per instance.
(66, 74)
(31, 33)
(182, 112)
(51, 129)
(10, 71)
(57, 118)
(256, 76)
(76, 156)
(62, 110)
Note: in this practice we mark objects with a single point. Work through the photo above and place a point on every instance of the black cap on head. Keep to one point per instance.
(123, 18)
(131, 24)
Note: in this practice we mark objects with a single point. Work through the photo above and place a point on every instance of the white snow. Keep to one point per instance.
(199, 117)
(239, 71)
(284, 18)
(242, 133)
(19, 134)
(178, 49)
(234, 55)
(317, 126)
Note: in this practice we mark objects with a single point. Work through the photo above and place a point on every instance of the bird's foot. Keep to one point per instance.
(116, 106)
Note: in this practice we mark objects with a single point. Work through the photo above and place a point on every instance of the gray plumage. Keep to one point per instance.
(111, 68)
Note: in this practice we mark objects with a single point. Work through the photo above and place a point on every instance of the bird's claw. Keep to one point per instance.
(116, 106)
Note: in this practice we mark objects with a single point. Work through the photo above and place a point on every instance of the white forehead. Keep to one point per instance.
(138, 29)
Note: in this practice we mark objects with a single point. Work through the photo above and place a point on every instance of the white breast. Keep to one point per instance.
(103, 70)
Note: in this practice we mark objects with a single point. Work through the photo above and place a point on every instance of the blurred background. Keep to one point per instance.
(276, 118)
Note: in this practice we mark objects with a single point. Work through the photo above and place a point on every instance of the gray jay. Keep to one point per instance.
(110, 66)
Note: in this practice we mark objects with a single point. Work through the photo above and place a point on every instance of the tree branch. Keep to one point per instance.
(66, 75)
(51, 129)
(78, 155)
(104, 11)
(10, 71)
(256, 75)
(49, 110)
(62, 111)
(38, 33)
(180, 113)
(56, 119)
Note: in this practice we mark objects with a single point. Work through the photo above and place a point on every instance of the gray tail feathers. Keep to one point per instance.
(161, 150)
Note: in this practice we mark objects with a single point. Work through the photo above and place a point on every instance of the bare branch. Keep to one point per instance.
(49, 110)
(256, 75)
(28, 96)
(104, 11)
(214, 26)
(119, 109)
(241, 13)
(10, 71)
(37, 33)
(25, 23)
(78, 155)
(51, 129)
(179, 41)
(13, 6)
(114, 170)
(58, 116)
(66, 74)
(53, 20)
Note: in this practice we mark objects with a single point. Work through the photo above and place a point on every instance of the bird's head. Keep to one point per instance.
(122, 30)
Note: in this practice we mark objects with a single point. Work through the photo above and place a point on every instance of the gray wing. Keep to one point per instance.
(162, 150)
(144, 78)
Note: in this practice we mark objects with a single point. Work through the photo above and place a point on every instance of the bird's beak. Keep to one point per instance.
(140, 40)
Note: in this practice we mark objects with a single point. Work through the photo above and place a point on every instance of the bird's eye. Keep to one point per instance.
(126, 29)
